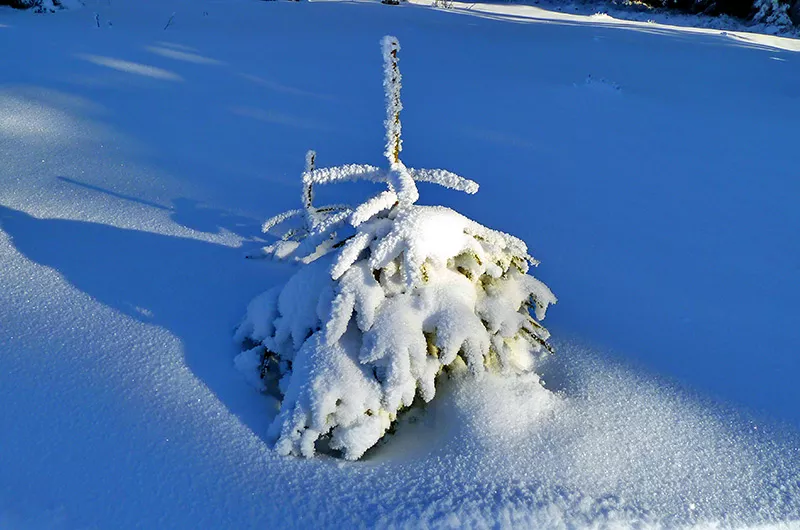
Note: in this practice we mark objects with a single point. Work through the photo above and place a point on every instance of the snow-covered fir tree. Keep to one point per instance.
(41, 6)
(387, 295)
(772, 12)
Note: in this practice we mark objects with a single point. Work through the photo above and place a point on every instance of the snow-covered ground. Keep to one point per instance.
(625, 12)
(652, 169)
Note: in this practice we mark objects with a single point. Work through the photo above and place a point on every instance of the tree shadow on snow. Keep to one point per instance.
(190, 213)
(194, 289)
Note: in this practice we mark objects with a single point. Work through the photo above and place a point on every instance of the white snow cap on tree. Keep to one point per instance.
(388, 294)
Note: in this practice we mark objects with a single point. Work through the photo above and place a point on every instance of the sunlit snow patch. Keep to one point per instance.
(26, 119)
(131, 67)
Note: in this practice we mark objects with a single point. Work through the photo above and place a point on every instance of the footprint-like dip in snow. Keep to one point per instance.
(600, 84)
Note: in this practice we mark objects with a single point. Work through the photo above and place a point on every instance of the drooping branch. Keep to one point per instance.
(445, 178)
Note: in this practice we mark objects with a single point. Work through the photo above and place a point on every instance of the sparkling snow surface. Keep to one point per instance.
(652, 170)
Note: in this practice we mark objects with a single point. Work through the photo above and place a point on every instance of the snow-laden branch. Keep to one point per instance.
(445, 178)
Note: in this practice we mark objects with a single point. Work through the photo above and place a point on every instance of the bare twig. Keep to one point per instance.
(169, 22)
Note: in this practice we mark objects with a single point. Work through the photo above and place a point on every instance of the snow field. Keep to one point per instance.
(137, 167)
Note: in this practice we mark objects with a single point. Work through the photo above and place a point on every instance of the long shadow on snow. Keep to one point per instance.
(189, 213)
(191, 288)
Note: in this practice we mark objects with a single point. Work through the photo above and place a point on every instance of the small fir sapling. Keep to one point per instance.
(388, 294)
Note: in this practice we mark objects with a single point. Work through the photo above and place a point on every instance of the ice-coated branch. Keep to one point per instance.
(272, 222)
(391, 84)
(401, 180)
(444, 178)
(313, 217)
(308, 187)
(369, 209)
(345, 173)
(401, 189)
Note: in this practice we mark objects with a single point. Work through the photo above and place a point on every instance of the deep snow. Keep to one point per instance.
(651, 169)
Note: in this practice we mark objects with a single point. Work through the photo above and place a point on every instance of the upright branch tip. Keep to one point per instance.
(391, 83)
(308, 187)
(311, 159)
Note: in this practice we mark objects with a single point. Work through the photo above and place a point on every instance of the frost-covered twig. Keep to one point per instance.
(391, 84)
(445, 178)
